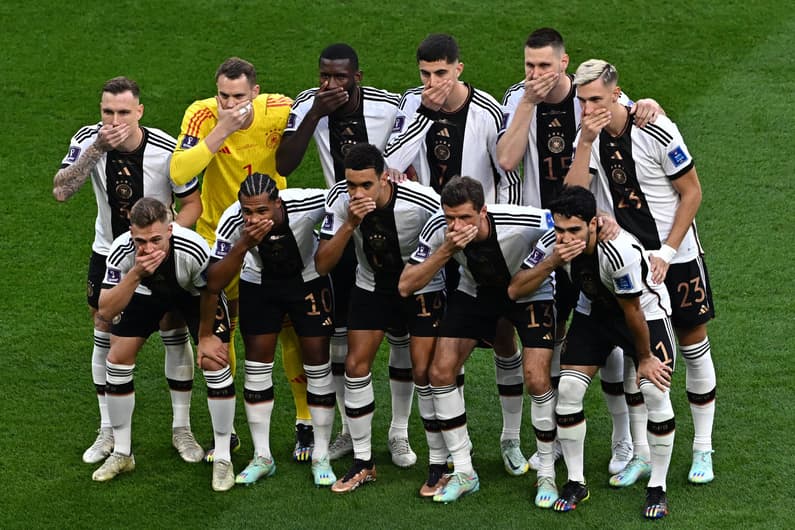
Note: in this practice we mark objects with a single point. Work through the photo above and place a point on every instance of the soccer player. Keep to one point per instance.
(271, 236)
(619, 306)
(384, 218)
(447, 127)
(489, 243)
(125, 162)
(229, 137)
(155, 268)
(542, 119)
(648, 178)
(338, 114)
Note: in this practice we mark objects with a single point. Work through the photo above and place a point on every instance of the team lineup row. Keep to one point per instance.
(466, 274)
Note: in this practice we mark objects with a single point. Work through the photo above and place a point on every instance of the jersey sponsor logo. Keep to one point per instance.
(222, 248)
(328, 222)
(113, 276)
(623, 283)
(189, 141)
(677, 156)
(291, 120)
(535, 257)
(399, 122)
(422, 251)
(74, 154)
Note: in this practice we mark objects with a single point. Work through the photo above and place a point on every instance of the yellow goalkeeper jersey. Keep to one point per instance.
(244, 152)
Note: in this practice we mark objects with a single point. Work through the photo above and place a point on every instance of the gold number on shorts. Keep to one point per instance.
(311, 299)
(701, 294)
(662, 351)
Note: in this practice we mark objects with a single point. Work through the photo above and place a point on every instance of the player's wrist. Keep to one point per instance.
(666, 253)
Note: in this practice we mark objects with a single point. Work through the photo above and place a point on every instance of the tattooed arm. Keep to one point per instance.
(69, 179)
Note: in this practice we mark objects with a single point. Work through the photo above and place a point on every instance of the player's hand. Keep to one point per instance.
(434, 97)
(327, 100)
(396, 176)
(233, 119)
(211, 350)
(593, 123)
(458, 239)
(358, 208)
(659, 269)
(535, 90)
(255, 231)
(565, 252)
(645, 111)
(608, 228)
(110, 137)
(147, 264)
(656, 371)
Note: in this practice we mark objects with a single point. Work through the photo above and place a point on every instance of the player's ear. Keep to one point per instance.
(140, 110)
(564, 62)
(616, 93)
(459, 69)
(255, 91)
(358, 76)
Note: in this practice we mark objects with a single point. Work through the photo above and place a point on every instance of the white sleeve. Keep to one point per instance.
(543, 249)
(301, 105)
(335, 216)
(229, 229)
(79, 143)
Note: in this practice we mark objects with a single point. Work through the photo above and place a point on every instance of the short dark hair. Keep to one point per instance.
(258, 184)
(121, 84)
(460, 190)
(147, 211)
(365, 156)
(234, 67)
(574, 201)
(340, 52)
(437, 47)
(544, 37)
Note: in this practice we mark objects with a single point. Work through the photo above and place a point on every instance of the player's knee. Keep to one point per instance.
(571, 391)
(658, 402)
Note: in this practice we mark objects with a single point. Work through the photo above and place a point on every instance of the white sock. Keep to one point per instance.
(120, 394)
(638, 415)
(661, 431)
(99, 356)
(452, 419)
(359, 407)
(401, 385)
(179, 373)
(338, 351)
(542, 414)
(221, 403)
(700, 382)
(321, 400)
(437, 450)
(612, 376)
(258, 393)
(510, 384)
(571, 421)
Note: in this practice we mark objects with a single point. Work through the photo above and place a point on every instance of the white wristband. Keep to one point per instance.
(666, 253)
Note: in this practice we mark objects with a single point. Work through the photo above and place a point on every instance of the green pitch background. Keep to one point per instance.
(723, 72)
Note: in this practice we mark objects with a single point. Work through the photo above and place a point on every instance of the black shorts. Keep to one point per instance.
(309, 306)
(143, 314)
(690, 292)
(476, 318)
(419, 314)
(343, 279)
(590, 340)
(96, 275)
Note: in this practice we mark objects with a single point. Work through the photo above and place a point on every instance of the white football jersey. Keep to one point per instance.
(120, 181)
(514, 229)
(550, 145)
(304, 209)
(188, 258)
(624, 270)
(633, 175)
(379, 109)
(408, 145)
(409, 209)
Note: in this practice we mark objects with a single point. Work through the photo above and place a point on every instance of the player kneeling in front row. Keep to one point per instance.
(155, 268)
(271, 235)
(618, 306)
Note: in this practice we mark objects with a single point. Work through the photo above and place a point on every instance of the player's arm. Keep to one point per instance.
(329, 251)
(405, 146)
(71, 178)
(190, 208)
(646, 111)
(512, 144)
(689, 188)
(113, 300)
(529, 279)
(649, 366)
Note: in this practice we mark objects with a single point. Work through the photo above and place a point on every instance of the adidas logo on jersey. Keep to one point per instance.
(554, 123)
(704, 310)
(444, 133)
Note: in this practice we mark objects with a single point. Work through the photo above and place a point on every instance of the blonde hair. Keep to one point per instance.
(594, 69)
